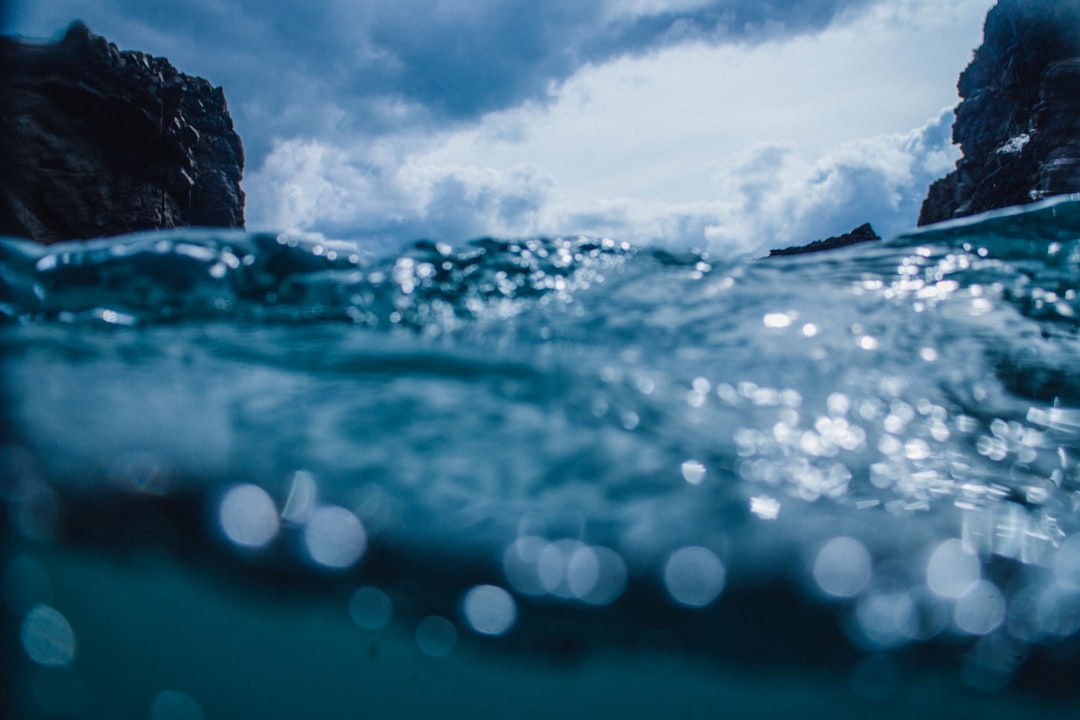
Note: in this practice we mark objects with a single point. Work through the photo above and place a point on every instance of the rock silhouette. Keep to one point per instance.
(861, 234)
(1019, 120)
(97, 142)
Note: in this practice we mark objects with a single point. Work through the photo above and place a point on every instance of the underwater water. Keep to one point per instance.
(252, 475)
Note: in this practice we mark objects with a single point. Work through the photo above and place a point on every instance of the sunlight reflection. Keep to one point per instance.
(693, 472)
(765, 507)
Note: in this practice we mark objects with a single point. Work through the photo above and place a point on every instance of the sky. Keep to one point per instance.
(732, 126)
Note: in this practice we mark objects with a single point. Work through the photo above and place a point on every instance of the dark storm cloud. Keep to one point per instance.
(309, 69)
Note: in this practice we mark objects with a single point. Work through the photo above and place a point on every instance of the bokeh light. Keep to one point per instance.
(436, 636)
(887, 618)
(693, 472)
(175, 705)
(302, 498)
(521, 565)
(370, 608)
(489, 610)
(694, 576)
(843, 567)
(248, 516)
(952, 570)
(47, 637)
(981, 609)
(1067, 564)
(334, 537)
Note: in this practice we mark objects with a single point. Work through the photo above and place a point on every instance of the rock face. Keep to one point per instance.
(861, 234)
(1019, 120)
(97, 142)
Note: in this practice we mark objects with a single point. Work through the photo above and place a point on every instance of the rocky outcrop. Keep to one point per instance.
(861, 234)
(1018, 124)
(97, 142)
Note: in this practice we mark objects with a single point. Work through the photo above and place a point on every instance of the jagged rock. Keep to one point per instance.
(861, 234)
(1018, 124)
(97, 142)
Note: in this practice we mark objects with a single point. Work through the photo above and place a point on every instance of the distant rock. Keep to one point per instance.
(97, 142)
(861, 234)
(1019, 120)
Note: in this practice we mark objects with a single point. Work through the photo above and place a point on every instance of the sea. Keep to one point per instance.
(250, 475)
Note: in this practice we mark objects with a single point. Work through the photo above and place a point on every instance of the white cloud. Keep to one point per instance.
(735, 147)
(771, 195)
(778, 198)
(616, 9)
(380, 192)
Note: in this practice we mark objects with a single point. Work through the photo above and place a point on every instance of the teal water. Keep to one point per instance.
(262, 476)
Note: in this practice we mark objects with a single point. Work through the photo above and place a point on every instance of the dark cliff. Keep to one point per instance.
(1018, 123)
(863, 233)
(97, 142)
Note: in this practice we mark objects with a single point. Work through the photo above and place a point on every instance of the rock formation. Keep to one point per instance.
(1018, 124)
(97, 142)
(861, 234)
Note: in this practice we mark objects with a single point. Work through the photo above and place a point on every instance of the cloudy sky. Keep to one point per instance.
(728, 125)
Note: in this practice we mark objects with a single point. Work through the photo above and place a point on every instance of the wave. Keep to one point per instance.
(559, 447)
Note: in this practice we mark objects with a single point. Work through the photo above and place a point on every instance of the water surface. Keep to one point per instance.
(258, 475)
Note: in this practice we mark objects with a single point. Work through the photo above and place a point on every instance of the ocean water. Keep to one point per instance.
(252, 475)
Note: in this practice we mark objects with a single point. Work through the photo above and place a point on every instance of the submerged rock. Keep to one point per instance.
(1019, 120)
(861, 234)
(98, 142)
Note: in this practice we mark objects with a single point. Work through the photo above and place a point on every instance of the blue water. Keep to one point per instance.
(258, 475)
